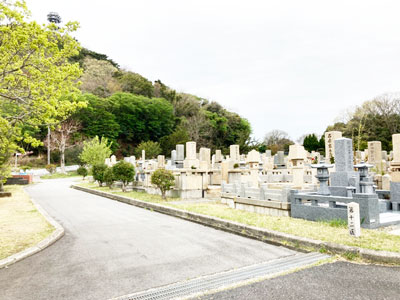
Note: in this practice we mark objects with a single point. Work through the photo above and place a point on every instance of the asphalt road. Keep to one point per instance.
(112, 249)
(339, 280)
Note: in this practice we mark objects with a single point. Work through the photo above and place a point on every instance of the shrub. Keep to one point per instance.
(125, 172)
(82, 171)
(95, 151)
(109, 177)
(51, 168)
(164, 180)
(235, 166)
(98, 173)
(152, 149)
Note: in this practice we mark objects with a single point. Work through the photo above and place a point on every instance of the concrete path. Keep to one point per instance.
(339, 280)
(112, 249)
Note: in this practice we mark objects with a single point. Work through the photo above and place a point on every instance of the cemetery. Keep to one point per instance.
(300, 185)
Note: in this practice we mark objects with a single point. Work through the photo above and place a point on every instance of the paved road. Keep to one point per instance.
(112, 249)
(339, 280)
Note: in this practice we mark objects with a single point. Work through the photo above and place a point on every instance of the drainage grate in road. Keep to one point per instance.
(228, 278)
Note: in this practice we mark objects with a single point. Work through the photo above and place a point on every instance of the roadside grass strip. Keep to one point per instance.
(21, 224)
(60, 175)
(322, 231)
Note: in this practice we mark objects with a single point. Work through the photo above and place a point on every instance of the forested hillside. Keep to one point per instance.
(129, 109)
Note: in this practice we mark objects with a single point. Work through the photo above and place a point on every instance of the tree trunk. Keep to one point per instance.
(62, 152)
(123, 187)
(48, 145)
(163, 196)
(1, 185)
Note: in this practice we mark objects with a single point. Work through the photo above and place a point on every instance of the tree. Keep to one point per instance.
(61, 139)
(82, 171)
(125, 172)
(109, 177)
(98, 171)
(98, 77)
(8, 147)
(169, 142)
(277, 140)
(311, 143)
(135, 83)
(95, 151)
(152, 149)
(164, 180)
(35, 71)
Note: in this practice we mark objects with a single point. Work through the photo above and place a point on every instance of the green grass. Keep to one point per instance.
(60, 175)
(333, 231)
(21, 225)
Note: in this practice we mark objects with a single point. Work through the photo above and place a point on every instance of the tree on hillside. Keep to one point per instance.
(98, 77)
(62, 138)
(152, 149)
(135, 84)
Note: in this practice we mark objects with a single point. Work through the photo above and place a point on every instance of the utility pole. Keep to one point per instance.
(48, 144)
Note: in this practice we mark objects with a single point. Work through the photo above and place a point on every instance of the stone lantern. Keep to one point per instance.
(323, 177)
(366, 183)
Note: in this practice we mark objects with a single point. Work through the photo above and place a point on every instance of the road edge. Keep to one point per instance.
(43, 244)
(262, 234)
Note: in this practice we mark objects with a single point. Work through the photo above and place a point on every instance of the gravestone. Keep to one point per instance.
(344, 174)
(180, 152)
(218, 156)
(353, 219)
(205, 156)
(268, 153)
(113, 160)
(160, 161)
(234, 153)
(173, 158)
(330, 138)
(191, 150)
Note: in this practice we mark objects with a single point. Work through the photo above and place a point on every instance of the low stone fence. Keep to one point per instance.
(273, 202)
(313, 207)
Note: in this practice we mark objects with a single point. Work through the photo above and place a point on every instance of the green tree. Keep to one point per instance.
(152, 149)
(109, 177)
(311, 143)
(82, 171)
(98, 171)
(8, 147)
(95, 151)
(125, 172)
(135, 83)
(36, 72)
(164, 180)
(97, 119)
(169, 142)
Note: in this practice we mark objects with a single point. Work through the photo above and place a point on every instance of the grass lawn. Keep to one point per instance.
(334, 232)
(60, 175)
(21, 225)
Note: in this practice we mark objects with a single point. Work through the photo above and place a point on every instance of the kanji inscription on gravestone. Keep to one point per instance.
(353, 215)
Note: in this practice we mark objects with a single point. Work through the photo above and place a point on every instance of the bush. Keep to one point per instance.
(95, 151)
(98, 173)
(51, 168)
(152, 149)
(109, 177)
(82, 171)
(124, 172)
(164, 180)
(235, 166)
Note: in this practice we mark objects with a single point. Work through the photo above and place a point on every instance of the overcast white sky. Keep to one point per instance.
(290, 65)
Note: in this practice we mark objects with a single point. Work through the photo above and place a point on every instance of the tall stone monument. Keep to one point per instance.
(330, 138)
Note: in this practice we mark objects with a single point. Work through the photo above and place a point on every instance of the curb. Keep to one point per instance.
(51, 239)
(264, 235)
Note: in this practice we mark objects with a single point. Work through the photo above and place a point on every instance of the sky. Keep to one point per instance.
(289, 65)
